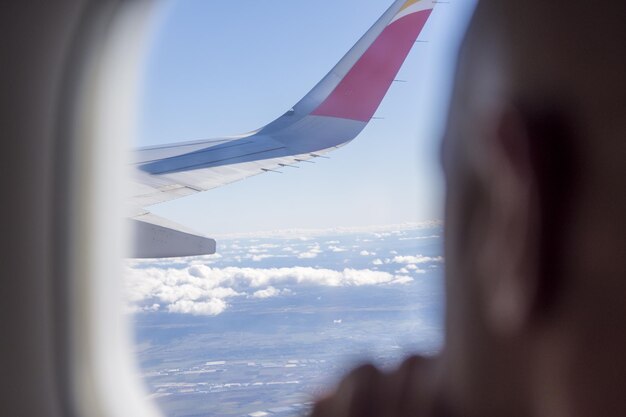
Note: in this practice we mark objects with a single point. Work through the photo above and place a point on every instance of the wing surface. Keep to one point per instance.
(332, 114)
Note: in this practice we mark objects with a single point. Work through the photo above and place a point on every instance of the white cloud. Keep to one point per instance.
(336, 249)
(315, 248)
(267, 293)
(418, 259)
(366, 253)
(415, 269)
(256, 250)
(377, 262)
(206, 308)
(402, 280)
(133, 309)
(312, 252)
(153, 307)
(259, 258)
(420, 237)
(203, 290)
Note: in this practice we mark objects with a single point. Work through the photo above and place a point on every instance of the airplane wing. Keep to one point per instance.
(333, 113)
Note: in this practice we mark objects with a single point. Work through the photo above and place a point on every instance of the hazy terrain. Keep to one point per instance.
(268, 322)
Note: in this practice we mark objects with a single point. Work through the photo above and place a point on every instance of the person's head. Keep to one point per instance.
(535, 161)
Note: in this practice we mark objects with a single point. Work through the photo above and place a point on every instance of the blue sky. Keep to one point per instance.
(220, 67)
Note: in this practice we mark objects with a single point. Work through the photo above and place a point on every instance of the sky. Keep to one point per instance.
(219, 68)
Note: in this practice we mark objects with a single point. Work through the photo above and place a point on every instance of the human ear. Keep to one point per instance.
(507, 260)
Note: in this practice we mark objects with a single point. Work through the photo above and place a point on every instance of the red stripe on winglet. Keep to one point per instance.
(361, 91)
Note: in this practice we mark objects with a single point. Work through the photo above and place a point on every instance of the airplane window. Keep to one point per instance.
(266, 265)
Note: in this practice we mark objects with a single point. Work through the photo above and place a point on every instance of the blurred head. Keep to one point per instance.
(535, 161)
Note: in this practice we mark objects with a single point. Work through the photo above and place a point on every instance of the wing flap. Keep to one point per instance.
(155, 237)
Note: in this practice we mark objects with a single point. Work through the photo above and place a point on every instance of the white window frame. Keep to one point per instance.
(102, 371)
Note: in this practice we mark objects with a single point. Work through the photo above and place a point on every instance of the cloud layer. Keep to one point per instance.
(257, 268)
(202, 290)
